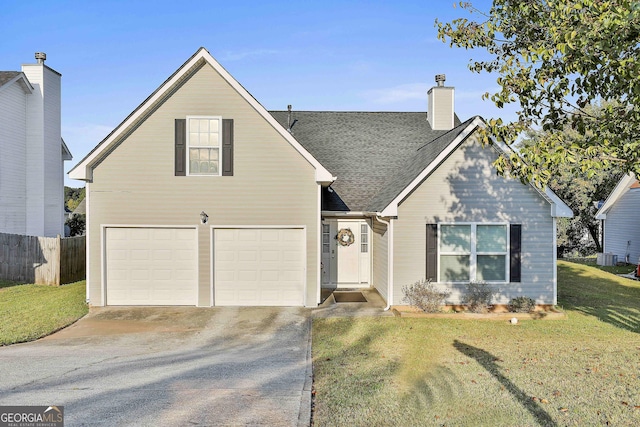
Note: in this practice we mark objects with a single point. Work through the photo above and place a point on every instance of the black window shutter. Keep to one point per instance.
(227, 147)
(432, 252)
(181, 147)
(515, 245)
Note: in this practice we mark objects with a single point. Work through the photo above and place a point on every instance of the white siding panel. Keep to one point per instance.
(13, 101)
(622, 227)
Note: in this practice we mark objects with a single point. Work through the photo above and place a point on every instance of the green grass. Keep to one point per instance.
(615, 269)
(584, 370)
(29, 312)
(7, 284)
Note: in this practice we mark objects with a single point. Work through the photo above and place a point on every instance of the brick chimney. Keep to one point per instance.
(440, 112)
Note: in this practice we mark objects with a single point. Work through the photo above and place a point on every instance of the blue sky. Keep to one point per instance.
(321, 55)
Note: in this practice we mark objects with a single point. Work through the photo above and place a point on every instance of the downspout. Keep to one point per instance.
(87, 234)
(389, 261)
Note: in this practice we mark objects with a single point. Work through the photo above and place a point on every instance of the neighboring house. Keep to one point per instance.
(32, 151)
(81, 209)
(229, 204)
(620, 216)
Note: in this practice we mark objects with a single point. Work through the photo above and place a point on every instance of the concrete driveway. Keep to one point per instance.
(169, 367)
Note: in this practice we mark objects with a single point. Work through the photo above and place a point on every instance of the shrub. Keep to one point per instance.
(521, 305)
(424, 295)
(478, 297)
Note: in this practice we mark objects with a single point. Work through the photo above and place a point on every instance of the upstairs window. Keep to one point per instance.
(204, 138)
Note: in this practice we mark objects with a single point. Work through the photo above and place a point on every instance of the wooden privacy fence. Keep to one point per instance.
(42, 260)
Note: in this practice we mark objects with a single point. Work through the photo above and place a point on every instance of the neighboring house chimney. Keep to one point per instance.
(41, 57)
(44, 175)
(440, 111)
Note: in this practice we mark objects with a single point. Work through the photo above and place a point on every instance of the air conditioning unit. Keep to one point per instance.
(607, 259)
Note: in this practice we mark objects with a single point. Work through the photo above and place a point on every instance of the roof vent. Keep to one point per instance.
(440, 78)
(41, 57)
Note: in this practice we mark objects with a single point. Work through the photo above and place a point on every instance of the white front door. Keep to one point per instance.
(346, 256)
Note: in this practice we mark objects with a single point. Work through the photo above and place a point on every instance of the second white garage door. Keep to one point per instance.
(259, 266)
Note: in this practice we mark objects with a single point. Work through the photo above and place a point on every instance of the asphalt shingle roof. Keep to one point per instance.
(374, 155)
(5, 76)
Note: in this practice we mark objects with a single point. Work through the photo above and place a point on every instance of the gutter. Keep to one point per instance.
(389, 225)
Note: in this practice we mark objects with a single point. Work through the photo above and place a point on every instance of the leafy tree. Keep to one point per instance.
(554, 58)
(579, 189)
(76, 225)
(73, 197)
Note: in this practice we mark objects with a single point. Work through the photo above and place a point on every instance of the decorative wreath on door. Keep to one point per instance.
(345, 237)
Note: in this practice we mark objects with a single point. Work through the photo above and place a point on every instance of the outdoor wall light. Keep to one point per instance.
(204, 218)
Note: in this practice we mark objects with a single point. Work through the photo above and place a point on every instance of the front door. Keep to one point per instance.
(346, 253)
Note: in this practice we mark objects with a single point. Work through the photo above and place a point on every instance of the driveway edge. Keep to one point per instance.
(304, 416)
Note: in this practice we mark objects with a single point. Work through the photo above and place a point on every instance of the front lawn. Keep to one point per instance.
(29, 312)
(584, 370)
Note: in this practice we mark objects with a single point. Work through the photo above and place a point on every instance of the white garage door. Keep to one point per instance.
(263, 266)
(151, 266)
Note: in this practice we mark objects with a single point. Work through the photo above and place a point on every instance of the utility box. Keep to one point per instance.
(607, 259)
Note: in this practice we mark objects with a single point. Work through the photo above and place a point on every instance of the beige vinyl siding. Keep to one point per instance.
(13, 156)
(465, 188)
(621, 230)
(440, 113)
(380, 258)
(272, 183)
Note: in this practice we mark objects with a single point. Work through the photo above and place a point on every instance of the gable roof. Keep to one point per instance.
(8, 77)
(84, 169)
(364, 150)
(627, 181)
(380, 158)
(66, 153)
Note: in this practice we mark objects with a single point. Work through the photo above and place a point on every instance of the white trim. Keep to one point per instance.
(66, 154)
(87, 224)
(188, 141)
(83, 170)
(391, 210)
(391, 259)
(617, 192)
(103, 253)
(320, 246)
(261, 227)
(555, 262)
(338, 214)
(212, 273)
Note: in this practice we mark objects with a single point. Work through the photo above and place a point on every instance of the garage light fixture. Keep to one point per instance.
(204, 218)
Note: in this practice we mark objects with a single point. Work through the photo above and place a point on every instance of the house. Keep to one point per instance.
(32, 151)
(620, 224)
(230, 204)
